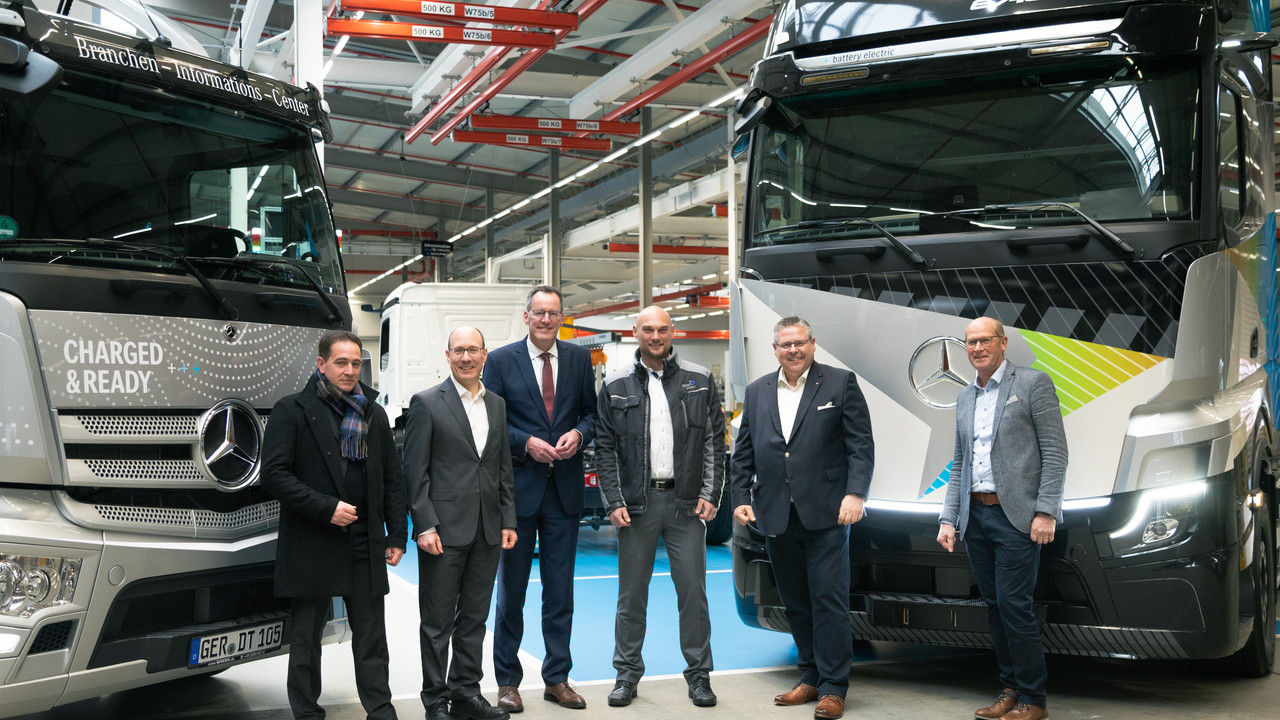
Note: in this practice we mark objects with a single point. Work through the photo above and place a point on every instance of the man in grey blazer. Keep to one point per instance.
(1004, 499)
(457, 469)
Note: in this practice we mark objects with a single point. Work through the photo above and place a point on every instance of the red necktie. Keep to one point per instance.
(548, 384)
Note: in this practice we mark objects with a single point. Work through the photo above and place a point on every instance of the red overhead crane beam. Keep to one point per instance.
(538, 18)
(617, 247)
(439, 34)
(527, 140)
(713, 287)
(512, 122)
(501, 82)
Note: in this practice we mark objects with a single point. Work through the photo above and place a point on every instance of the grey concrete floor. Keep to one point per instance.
(913, 682)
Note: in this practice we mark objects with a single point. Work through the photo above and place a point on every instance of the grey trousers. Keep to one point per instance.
(686, 538)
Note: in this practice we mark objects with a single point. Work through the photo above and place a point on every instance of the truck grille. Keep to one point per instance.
(138, 425)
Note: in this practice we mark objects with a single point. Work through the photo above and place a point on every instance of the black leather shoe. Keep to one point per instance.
(700, 692)
(623, 693)
(477, 708)
(438, 710)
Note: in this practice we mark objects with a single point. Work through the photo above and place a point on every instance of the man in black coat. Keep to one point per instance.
(330, 459)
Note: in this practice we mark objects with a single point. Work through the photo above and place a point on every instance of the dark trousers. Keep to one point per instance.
(685, 536)
(367, 617)
(1006, 563)
(812, 572)
(454, 590)
(554, 533)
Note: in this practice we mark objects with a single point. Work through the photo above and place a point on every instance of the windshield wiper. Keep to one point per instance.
(228, 310)
(335, 313)
(1116, 241)
(910, 254)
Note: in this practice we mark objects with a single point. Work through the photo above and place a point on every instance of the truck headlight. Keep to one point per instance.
(1161, 517)
(29, 583)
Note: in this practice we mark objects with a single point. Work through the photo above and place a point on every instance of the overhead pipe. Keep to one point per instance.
(482, 68)
(524, 63)
(728, 49)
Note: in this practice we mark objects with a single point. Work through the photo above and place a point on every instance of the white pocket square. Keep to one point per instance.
(1013, 399)
(828, 406)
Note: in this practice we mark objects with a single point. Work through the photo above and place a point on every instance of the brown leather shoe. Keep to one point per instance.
(509, 699)
(800, 694)
(564, 695)
(1023, 711)
(829, 707)
(1003, 703)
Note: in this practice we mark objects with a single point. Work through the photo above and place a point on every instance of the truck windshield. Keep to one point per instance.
(143, 166)
(1115, 140)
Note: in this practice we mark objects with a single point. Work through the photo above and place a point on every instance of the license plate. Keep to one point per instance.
(235, 645)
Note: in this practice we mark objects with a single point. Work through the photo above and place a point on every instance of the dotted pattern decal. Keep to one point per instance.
(99, 360)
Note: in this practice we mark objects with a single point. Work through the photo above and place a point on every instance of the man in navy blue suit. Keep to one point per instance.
(802, 463)
(550, 393)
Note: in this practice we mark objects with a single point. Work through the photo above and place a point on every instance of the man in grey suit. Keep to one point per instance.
(1004, 500)
(462, 500)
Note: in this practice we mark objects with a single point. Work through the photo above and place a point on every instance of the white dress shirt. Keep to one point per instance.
(984, 417)
(789, 401)
(477, 415)
(662, 440)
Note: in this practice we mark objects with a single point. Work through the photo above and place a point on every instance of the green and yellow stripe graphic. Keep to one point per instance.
(1082, 371)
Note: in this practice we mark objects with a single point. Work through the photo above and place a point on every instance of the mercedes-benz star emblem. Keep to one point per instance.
(939, 370)
(231, 444)
(230, 332)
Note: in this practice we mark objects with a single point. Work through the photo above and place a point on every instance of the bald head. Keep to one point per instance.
(653, 330)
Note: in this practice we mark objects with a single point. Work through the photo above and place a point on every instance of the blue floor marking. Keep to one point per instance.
(734, 646)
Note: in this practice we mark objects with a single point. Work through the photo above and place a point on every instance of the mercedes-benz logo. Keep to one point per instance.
(939, 370)
(231, 444)
(230, 332)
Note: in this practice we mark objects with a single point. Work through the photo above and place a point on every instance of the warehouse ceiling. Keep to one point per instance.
(400, 169)
(397, 174)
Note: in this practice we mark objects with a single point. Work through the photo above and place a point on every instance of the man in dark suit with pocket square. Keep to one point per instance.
(802, 464)
(458, 471)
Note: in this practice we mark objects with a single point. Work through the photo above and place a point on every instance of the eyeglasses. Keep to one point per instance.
(985, 342)
(794, 345)
(463, 352)
(540, 314)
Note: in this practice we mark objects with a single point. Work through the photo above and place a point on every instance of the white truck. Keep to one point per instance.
(416, 321)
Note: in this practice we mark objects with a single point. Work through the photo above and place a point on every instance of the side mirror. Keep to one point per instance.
(1250, 42)
(23, 72)
(752, 113)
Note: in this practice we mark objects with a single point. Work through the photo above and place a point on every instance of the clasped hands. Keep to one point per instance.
(544, 452)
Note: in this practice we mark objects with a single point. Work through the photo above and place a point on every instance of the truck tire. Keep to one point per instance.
(1258, 655)
(721, 526)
